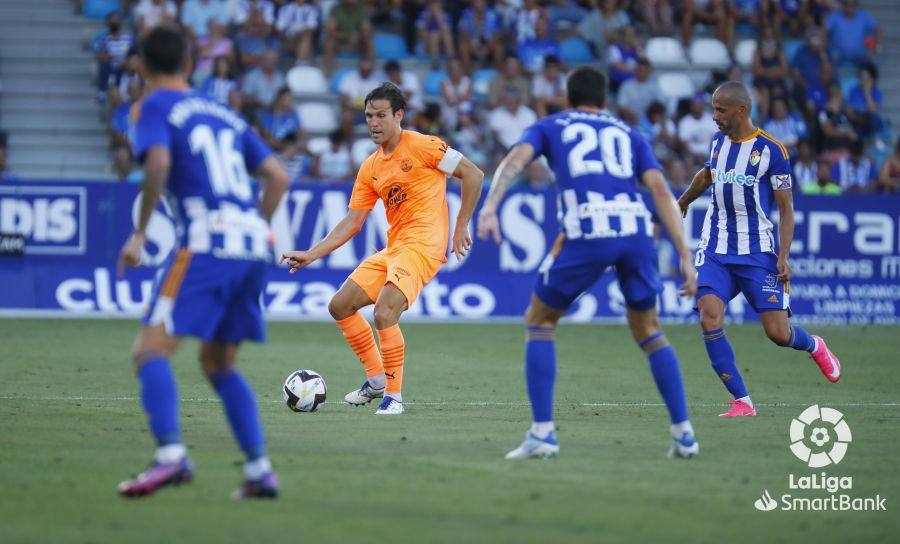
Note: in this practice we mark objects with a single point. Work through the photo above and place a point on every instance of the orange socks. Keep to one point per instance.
(359, 335)
(392, 348)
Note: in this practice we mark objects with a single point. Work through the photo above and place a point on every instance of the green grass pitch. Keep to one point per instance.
(71, 428)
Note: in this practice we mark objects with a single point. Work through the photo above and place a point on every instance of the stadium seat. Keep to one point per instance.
(317, 117)
(318, 145)
(334, 84)
(675, 85)
(709, 53)
(306, 80)
(744, 51)
(389, 46)
(99, 9)
(361, 150)
(663, 51)
(790, 49)
(481, 82)
(433, 82)
(847, 85)
(575, 50)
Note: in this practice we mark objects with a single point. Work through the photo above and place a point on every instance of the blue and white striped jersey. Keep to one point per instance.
(745, 174)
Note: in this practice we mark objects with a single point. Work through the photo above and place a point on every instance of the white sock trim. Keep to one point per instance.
(542, 429)
(396, 396)
(746, 400)
(170, 454)
(256, 469)
(678, 429)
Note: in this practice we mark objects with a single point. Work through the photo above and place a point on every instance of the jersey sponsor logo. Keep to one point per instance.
(406, 165)
(731, 176)
(395, 197)
(754, 157)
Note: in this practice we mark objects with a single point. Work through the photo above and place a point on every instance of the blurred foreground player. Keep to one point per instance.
(598, 161)
(199, 152)
(747, 169)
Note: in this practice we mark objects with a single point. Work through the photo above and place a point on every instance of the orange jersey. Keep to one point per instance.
(414, 191)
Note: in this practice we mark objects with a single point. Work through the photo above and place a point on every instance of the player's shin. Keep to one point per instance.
(393, 347)
(243, 417)
(540, 375)
(721, 355)
(159, 397)
(801, 340)
(362, 341)
(666, 372)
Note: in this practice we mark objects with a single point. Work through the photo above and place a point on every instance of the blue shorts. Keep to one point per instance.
(576, 265)
(209, 298)
(755, 275)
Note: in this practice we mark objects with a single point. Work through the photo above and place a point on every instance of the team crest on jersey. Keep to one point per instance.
(754, 157)
(395, 197)
(406, 165)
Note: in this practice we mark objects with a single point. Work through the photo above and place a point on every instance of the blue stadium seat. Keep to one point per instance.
(481, 82)
(334, 83)
(433, 82)
(575, 49)
(790, 49)
(389, 46)
(99, 9)
(847, 85)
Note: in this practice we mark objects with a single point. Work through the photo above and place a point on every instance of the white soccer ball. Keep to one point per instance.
(304, 391)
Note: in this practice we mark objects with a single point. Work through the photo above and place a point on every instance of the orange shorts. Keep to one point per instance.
(407, 267)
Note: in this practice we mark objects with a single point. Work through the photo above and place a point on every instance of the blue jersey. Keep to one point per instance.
(597, 160)
(745, 175)
(209, 189)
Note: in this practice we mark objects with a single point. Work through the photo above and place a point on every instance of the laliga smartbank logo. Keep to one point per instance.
(819, 438)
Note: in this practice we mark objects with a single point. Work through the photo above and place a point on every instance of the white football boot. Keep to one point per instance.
(363, 395)
(684, 448)
(390, 407)
(534, 447)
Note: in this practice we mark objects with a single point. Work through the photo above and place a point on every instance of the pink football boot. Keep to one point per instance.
(739, 408)
(827, 361)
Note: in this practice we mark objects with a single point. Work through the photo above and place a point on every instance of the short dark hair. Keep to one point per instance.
(586, 86)
(164, 49)
(391, 66)
(390, 92)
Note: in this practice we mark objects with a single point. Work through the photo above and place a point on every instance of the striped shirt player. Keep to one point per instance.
(749, 171)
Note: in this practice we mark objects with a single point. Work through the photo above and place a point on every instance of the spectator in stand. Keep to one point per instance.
(852, 33)
(537, 175)
(695, 131)
(526, 19)
(549, 88)
(806, 170)
(298, 23)
(716, 13)
(856, 172)
(118, 89)
(215, 44)
(865, 104)
(508, 121)
(5, 175)
(837, 132)
(110, 50)
(467, 139)
(436, 32)
(281, 121)
(356, 85)
(770, 70)
(816, 95)
(824, 183)
(456, 94)
(334, 164)
(658, 15)
(297, 159)
(510, 76)
(806, 65)
(564, 16)
(409, 83)
(221, 82)
(786, 127)
(637, 93)
(149, 13)
(532, 52)
(237, 104)
(196, 14)
(889, 175)
(622, 57)
(348, 29)
(262, 83)
(603, 18)
(254, 39)
(428, 121)
(243, 10)
(120, 131)
(793, 14)
(479, 35)
(660, 132)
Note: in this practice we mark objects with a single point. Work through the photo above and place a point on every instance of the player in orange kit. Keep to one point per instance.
(409, 173)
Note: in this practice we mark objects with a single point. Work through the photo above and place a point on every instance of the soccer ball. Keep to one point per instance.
(304, 391)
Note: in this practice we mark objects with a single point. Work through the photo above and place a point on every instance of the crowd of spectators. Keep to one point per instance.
(820, 97)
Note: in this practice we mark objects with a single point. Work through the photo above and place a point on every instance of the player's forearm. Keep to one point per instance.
(785, 232)
(701, 182)
(156, 172)
(472, 180)
(667, 210)
(339, 235)
(507, 172)
(275, 183)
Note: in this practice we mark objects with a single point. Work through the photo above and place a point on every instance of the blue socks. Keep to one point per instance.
(540, 372)
(722, 357)
(159, 396)
(667, 375)
(801, 340)
(240, 408)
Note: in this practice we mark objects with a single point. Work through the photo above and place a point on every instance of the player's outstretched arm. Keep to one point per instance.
(701, 182)
(785, 202)
(157, 163)
(472, 179)
(667, 211)
(343, 231)
(275, 182)
(507, 172)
